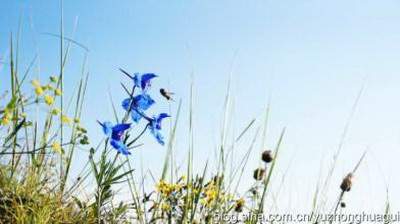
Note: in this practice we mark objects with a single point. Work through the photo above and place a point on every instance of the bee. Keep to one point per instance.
(166, 94)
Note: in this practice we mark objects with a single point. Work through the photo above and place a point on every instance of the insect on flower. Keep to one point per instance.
(166, 94)
(115, 133)
(155, 127)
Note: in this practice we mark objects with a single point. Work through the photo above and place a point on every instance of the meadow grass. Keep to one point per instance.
(37, 152)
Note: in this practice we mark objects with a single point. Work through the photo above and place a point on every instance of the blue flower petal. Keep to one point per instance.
(145, 80)
(118, 131)
(135, 116)
(159, 119)
(107, 128)
(120, 147)
(121, 127)
(157, 135)
(143, 101)
(136, 79)
(126, 103)
(155, 127)
(114, 132)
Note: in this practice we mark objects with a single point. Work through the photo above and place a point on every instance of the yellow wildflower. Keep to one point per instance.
(65, 119)
(55, 111)
(49, 87)
(5, 121)
(57, 147)
(35, 83)
(210, 194)
(6, 118)
(39, 90)
(196, 191)
(164, 188)
(165, 206)
(77, 120)
(58, 92)
(49, 100)
(183, 178)
(178, 187)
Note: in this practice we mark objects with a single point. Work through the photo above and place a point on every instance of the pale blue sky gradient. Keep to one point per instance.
(309, 57)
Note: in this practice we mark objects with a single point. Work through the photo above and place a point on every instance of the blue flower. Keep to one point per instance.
(115, 134)
(155, 127)
(142, 81)
(138, 105)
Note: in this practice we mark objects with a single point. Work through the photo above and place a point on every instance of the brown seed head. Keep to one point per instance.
(347, 182)
(259, 174)
(343, 204)
(267, 156)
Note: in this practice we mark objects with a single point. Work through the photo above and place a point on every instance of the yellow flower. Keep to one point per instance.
(39, 90)
(57, 148)
(65, 119)
(6, 118)
(196, 191)
(164, 188)
(35, 83)
(165, 206)
(77, 120)
(183, 177)
(49, 100)
(210, 194)
(58, 92)
(5, 121)
(177, 187)
(55, 111)
(240, 202)
(49, 87)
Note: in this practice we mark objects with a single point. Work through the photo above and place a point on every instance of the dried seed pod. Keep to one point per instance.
(343, 204)
(347, 182)
(259, 174)
(267, 156)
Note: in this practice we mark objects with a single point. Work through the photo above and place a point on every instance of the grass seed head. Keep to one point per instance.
(259, 174)
(267, 156)
(347, 182)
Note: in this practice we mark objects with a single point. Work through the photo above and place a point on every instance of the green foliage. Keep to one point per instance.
(107, 174)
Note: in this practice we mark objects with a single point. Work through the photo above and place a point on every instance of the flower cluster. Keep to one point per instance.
(7, 113)
(136, 107)
(48, 92)
(173, 198)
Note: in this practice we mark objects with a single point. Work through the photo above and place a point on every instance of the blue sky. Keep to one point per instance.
(309, 57)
